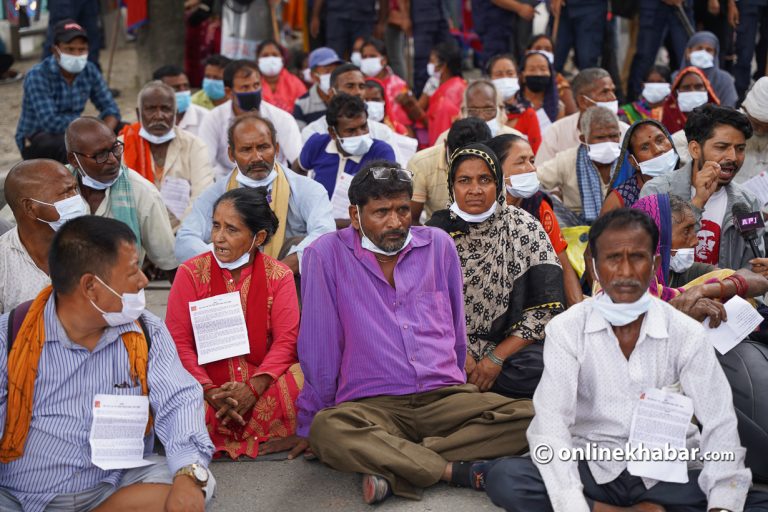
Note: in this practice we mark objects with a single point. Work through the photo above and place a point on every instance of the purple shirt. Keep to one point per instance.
(361, 337)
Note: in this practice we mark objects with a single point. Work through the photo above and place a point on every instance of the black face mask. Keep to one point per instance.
(538, 83)
(248, 101)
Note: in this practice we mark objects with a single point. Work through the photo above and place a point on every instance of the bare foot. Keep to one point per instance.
(647, 506)
(279, 444)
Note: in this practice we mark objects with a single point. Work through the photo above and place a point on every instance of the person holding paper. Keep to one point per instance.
(301, 204)
(250, 399)
(84, 348)
(383, 345)
(602, 358)
(172, 158)
(333, 158)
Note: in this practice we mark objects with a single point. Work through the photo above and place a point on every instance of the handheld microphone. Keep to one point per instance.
(747, 223)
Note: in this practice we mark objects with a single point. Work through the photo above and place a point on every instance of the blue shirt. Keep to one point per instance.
(359, 10)
(57, 454)
(309, 216)
(320, 155)
(50, 103)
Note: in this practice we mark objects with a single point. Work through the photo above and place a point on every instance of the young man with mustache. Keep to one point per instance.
(717, 140)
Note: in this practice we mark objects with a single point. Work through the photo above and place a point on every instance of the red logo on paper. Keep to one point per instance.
(97, 404)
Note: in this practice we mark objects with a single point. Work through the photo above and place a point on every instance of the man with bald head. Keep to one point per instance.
(42, 195)
(300, 203)
(115, 191)
(175, 160)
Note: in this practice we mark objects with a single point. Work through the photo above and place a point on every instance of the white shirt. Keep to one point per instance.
(193, 118)
(20, 279)
(588, 392)
(213, 131)
(564, 134)
(377, 130)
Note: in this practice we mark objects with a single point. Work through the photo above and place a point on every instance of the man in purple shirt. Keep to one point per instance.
(383, 350)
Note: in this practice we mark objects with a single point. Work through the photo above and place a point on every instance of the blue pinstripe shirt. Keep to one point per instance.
(57, 455)
(50, 103)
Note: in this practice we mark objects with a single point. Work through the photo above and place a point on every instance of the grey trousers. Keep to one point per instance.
(515, 484)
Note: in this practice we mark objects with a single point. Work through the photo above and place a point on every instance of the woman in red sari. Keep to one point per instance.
(690, 89)
(375, 65)
(279, 87)
(250, 400)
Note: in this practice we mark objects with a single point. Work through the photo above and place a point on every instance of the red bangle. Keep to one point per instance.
(208, 386)
(741, 284)
(253, 390)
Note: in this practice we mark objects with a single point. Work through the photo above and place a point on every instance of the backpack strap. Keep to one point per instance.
(145, 331)
(15, 319)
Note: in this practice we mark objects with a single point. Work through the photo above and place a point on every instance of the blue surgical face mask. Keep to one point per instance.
(92, 183)
(73, 63)
(183, 100)
(213, 88)
(368, 244)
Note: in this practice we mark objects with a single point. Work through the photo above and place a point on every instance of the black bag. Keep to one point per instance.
(746, 367)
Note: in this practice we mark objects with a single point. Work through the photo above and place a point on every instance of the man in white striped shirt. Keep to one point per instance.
(89, 335)
(600, 357)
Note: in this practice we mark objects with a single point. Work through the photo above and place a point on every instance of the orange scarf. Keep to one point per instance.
(22, 371)
(137, 155)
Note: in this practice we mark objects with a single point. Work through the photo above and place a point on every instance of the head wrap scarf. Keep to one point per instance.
(551, 103)
(674, 118)
(512, 277)
(722, 81)
(625, 170)
(657, 207)
(756, 102)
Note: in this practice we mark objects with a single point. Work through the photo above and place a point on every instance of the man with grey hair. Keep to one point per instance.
(591, 87)
(175, 160)
(582, 173)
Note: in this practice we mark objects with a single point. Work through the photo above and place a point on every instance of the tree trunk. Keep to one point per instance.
(161, 40)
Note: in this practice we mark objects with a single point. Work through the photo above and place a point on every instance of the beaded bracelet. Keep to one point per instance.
(494, 358)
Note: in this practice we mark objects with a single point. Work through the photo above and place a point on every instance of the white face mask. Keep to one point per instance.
(604, 152)
(95, 184)
(73, 63)
(325, 83)
(507, 87)
(471, 217)
(493, 125)
(613, 106)
(368, 244)
(523, 185)
(356, 58)
(68, 209)
(371, 66)
(431, 71)
(247, 182)
(270, 66)
(306, 74)
(157, 139)
(656, 92)
(549, 55)
(682, 260)
(662, 164)
(687, 101)
(375, 110)
(357, 145)
(702, 59)
(134, 305)
(621, 314)
(236, 264)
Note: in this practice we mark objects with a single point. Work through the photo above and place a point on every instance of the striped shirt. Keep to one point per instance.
(57, 454)
(364, 338)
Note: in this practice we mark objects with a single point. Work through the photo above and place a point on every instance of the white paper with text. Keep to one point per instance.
(219, 327)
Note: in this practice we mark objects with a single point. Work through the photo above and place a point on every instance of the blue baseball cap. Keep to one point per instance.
(323, 56)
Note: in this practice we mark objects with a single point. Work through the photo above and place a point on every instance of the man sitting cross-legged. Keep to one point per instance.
(383, 348)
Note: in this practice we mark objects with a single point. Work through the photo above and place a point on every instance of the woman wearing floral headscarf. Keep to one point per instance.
(513, 283)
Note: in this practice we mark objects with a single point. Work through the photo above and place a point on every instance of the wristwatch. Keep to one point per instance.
(196, 472)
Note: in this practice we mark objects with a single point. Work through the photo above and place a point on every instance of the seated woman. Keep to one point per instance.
(522, 190)
(250, 400)
(278, 86)
(539, 89)
(649, 105)
(520, 115)
(690, 89)
(647, 151)
(513, 283)
(679, 280)
(543, 43)
(377, 103)
(703, 51)
(440, 102)
(374, 64)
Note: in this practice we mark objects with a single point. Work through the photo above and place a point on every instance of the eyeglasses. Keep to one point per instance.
(480, 112)
(101, 157)
(385, 173)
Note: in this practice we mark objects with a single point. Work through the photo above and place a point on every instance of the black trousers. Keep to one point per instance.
(521, 372)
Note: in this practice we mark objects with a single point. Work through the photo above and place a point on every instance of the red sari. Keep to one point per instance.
(444, 107)
(271, 309)
(289, 89)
